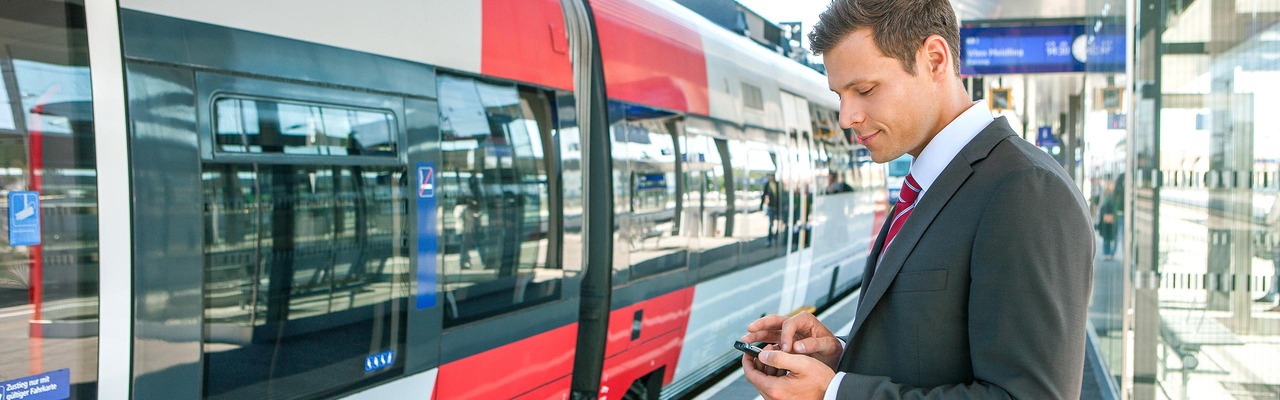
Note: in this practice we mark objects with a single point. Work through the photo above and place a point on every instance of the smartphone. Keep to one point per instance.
(747, 348)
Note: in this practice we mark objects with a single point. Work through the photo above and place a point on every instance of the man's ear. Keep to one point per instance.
(937, 55)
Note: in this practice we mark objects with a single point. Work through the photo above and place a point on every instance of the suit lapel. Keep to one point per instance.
(869, 272)
(952, 177)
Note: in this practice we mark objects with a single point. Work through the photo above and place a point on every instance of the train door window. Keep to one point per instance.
(653, 243)
(495, 199)
(48, 185)
(302, 252)
(619, 147)
(303, 128)
(569, 140)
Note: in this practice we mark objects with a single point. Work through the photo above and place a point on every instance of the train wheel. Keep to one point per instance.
(645, 388)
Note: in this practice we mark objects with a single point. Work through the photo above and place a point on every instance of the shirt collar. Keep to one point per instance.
(947, 144)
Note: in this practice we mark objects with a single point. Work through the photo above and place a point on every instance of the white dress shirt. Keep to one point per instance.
(929, 165)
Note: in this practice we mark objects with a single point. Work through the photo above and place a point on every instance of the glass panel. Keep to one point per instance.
(1202, 156)
(268, 126)
(494, 194)
(49, 275)
(758, 196)
(7, 110)
(654, 242)
(299, 258)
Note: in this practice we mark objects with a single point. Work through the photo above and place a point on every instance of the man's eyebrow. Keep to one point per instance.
(851, 83)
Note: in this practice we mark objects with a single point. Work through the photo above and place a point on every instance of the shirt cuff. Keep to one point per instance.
(833, 387)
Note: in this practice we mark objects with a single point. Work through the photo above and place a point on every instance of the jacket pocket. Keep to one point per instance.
(923, 281)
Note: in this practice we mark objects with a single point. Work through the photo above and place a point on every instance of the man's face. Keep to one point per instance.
(892, 111)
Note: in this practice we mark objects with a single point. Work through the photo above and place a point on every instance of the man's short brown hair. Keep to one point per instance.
(898, 27)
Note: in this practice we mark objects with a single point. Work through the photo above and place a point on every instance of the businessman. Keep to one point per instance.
(977, 285)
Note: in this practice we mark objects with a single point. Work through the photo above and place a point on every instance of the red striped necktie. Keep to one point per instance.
(906, 203)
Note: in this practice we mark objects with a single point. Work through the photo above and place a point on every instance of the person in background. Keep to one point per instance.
(836, 184)
(1106, 221)
(1273, 230)
(771, 203)
(978, 284)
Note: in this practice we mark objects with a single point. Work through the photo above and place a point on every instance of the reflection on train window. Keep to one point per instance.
(268, 126)
(299, 258)
(48, 292)
(494, 199)
(755, 173)
(649, 215)
(7, 120)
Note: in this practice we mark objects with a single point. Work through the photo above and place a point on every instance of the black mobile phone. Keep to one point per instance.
(747, 348)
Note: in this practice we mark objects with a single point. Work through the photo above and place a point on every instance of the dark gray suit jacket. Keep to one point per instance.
(985, 290)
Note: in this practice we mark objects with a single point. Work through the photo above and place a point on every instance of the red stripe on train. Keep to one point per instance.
(650, 58)
(539, 367)
(525, 40)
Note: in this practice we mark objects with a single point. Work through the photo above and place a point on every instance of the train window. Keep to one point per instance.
(646, 145)
(7, 119)
(752, 97)
(49, 264)
(759, 197)
(245, 125)
(495, 199)
(299, 258)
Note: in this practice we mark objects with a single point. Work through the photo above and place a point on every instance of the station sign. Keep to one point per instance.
(1041, 49)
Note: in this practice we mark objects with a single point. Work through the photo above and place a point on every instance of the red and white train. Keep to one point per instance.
(274, 199)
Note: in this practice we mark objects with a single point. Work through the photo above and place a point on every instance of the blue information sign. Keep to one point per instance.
(54, 385)
(427, 236)
(1044, 137)
(24, 218)
(1040, 49)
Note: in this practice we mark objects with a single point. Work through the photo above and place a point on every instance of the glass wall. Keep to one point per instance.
(48, 197)
(1194, 141)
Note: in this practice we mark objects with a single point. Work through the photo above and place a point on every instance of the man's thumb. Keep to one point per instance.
(778, 359)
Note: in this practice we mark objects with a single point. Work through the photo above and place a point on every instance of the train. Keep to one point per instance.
(393, 199)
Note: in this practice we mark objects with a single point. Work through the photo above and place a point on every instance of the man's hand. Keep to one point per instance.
(801, 334)
(787, 376)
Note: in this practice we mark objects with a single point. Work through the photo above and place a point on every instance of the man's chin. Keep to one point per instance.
(881, 158)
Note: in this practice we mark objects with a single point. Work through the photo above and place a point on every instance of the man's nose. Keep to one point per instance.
(850, 117)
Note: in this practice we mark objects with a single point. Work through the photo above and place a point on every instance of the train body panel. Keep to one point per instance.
(650, 57)
(442, 33)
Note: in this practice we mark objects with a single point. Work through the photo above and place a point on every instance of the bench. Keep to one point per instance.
(1185, 332)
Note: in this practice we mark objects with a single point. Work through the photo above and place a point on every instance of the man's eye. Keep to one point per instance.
(865, 92)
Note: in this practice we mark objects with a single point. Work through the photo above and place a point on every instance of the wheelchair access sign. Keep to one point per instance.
(24, 218)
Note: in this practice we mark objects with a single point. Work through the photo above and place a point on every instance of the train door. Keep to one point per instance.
(511, 237)
(798, 173)
(276, 235)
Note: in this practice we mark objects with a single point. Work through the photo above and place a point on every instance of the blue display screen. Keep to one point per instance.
(1040, 49)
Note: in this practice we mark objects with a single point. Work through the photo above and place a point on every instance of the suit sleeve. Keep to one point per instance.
(1031, 275)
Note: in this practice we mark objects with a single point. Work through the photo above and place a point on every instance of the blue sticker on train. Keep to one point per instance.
(427, 236)
(379, 361)
(24, 218)
(54, 385)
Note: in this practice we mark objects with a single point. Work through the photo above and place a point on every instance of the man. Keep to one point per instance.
(977, 286)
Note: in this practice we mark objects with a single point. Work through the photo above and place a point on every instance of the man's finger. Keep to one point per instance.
(815, 346)
(782, 360)
(769, 322)
(796, 328)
